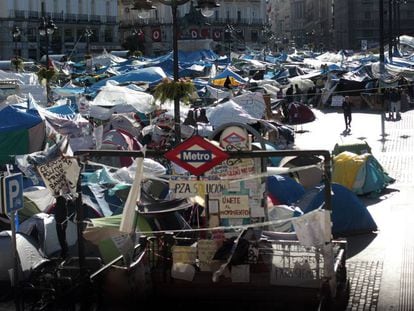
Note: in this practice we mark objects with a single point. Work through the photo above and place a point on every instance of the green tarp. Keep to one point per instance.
(13, 143)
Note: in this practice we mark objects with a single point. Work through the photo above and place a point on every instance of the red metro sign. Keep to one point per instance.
(197, 155)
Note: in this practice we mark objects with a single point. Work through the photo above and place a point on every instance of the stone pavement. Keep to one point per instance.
(381, 265)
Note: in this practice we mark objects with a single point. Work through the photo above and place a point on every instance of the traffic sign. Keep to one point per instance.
(197, 155)
(12, 193)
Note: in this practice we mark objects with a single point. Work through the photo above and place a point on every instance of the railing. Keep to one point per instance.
(58, 16)
(33, 15)
(95, 18)
(82, 17)
(19, 14)
(111, 19)
(70, 17)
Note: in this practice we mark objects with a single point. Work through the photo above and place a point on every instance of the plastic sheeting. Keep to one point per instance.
(229, 112)
(121, 97)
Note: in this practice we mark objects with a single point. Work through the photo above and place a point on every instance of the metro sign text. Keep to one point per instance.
(197, 155)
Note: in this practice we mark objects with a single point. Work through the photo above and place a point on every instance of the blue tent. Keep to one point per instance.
(284, 190)
(349, 214)
(21, 132)
(15, 119)
(150, 75)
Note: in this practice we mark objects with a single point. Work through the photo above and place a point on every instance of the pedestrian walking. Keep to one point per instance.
(347, 109)
(395, 105)
(289, 94)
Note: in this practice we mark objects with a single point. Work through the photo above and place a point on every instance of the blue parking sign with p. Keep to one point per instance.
(12, 193)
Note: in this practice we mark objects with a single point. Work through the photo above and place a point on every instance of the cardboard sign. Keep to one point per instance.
(61, 175)
(234, 206)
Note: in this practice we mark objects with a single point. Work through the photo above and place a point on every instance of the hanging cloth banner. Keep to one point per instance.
(217, 34)
(194, 33)
(156, 35)
(205, 33)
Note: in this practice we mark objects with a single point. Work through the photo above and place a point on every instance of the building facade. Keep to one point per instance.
(72, 18)
(245, 20)
(357, 22)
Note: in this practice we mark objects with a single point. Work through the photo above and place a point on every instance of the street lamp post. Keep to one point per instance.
(16, 35)
(88, 34)
(47, 28)
(206, 7)
(381, 44)
(390, 30)
(228, 38)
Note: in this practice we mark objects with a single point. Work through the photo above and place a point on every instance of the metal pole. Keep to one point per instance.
(381, 42)
(177, 118)
(390, 30)
(381, 34)
(395, 25)
(398, 23)
(16, 261)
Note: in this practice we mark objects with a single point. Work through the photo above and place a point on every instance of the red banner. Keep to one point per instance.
(156, 35)
(205, 33)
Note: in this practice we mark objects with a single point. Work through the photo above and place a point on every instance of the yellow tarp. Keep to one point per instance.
(220, 82)
(346, 166)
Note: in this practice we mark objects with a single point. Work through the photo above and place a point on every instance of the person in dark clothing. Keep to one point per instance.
(202, 117)
(289, 94)
(347, 109)
(61, 213)
(190, 120)
(395, 104)
(298, 93)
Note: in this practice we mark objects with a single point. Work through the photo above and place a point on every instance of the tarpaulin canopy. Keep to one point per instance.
(235, 79)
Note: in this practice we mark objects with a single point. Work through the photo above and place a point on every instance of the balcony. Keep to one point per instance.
(95, 18)
(58, 16)
(33, 15)
(82, 17)
(111, 19)
(19, 14)
(71, 18)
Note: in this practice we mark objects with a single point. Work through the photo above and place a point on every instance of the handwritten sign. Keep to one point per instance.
(234, 206)
(61, 175)
(234, 168)
(190, 188)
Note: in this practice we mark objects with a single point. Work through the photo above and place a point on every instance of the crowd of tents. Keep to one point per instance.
(110, 105)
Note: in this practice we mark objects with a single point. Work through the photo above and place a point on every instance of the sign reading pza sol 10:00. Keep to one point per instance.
(197, 155)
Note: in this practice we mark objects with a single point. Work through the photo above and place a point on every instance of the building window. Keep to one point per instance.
(68, 7)
(93, 9)
(108, 35)
(68, 33)
(238, 16)
(108, 8)
(55, 6)
(367, 15)
(80, 6)
(80, 34)
(255, 36)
